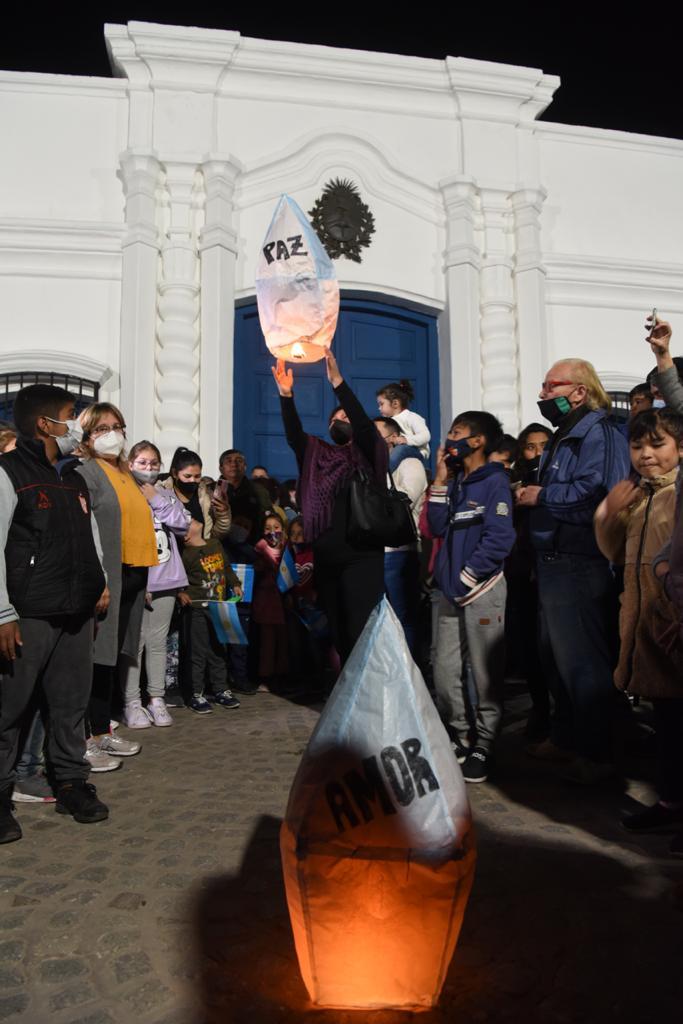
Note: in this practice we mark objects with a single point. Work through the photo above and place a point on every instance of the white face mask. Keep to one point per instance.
(658, 403)
(110, 443)
(73, 437)
(146, 476)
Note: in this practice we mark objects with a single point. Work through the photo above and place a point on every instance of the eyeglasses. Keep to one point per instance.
(550, 385)
(142, 464)
(104, 428)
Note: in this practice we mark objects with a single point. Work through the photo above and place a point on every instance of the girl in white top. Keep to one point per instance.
(393, 401)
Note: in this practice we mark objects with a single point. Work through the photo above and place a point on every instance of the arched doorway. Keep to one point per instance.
(375, 343)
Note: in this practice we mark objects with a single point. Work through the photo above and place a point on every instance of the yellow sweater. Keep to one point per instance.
(138, 539)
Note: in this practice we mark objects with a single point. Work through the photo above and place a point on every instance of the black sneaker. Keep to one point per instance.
(654, 819)
(226, 700)
(461, 752)
(79, 799)
(10, 829)
(244, 686)
(476, 766)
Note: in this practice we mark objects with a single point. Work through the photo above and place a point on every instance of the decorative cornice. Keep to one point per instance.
(609, 281)
(61, 85)
(170, 56)
(56, 361)
(499, 92)
(54, 248)
(609, 138)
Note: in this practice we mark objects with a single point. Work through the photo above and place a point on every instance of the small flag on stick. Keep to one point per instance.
(226, 622)
(287, 576)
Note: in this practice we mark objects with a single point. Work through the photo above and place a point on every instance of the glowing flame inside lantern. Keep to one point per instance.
(298, 351)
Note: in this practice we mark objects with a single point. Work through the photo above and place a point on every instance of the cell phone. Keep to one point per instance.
(222, 489)
(653, 315)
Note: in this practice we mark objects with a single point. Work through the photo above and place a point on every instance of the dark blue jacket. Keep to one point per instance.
(586, 464)
(476, 523)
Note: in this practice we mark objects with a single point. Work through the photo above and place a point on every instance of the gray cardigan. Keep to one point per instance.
(107, 512)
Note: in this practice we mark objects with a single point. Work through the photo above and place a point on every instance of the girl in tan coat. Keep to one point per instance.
(632, 524)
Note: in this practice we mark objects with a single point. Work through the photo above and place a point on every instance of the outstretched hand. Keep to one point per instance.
(659, 338)
(284, 378)
(333, 375)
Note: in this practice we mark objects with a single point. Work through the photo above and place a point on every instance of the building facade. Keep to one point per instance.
(132, 211)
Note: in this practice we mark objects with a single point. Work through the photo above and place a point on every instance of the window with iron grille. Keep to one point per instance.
(85, 392)
(621, 406)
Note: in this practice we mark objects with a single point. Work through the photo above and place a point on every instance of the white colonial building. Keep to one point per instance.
(132, 210)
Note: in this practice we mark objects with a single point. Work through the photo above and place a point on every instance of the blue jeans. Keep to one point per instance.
(578, 643)
(402, 585)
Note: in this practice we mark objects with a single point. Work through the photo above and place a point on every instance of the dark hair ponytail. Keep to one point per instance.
(402, 392)
(182, 458)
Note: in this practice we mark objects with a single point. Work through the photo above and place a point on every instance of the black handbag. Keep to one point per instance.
(378, 516)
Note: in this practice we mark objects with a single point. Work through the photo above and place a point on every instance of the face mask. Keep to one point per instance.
(272, 538)
(340, 432)
(186, 487)
(456, 451)
(110, 443)
(298, 546)
(73, 437)
(554, 409)
(238, 534)
(657, 403)
(146, 476)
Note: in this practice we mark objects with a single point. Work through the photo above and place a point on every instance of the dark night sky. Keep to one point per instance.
(618, 70)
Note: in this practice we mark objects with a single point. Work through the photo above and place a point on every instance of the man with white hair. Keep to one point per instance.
(577, 598)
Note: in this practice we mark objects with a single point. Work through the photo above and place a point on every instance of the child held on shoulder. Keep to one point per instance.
(393, 400)
(209, 578)
(632, 525)
(472, 514)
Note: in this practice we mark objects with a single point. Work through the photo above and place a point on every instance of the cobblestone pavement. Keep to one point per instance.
(172, 912)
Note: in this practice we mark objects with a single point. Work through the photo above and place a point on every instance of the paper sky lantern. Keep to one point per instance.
(377, 843)
(296, 288)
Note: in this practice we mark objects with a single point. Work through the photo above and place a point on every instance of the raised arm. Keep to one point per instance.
(365, 433)
(297, 437)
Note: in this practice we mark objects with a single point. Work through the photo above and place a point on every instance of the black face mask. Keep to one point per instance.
(554, 409)
(340, 431)
(528, 469)
(186, 487)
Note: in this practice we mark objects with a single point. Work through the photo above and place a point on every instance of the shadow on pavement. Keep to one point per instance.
(553, 933)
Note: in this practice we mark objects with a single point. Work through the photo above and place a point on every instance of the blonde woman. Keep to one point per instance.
(129, 546)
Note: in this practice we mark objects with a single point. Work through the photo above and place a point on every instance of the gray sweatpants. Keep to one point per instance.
(155, 624)
(57, 653)
(475, 633)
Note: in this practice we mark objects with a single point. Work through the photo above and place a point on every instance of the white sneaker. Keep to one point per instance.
(158, 712)
(98, 760)
(111, 744)
(113, 724)
(136, 716)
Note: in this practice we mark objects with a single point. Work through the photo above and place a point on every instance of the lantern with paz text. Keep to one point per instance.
(296, 288)
(377, 844)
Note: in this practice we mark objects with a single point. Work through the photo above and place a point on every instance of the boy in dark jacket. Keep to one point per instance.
(51, 585)
(472, 513)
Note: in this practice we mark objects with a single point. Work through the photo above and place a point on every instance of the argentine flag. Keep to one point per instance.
(226, 622)
(287, 576)
(245, 574)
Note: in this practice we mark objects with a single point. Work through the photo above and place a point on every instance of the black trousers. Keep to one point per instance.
(348, 589)
(57, 656)
(669, 727)
(207, 654)
(133, 580)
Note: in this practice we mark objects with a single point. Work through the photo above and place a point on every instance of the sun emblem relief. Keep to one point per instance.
(342, 220)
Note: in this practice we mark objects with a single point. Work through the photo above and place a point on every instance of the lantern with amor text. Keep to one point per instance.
(296, 288)
(377, 843)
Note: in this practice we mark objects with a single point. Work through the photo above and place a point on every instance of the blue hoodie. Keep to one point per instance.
(475, 518)
(587, 462)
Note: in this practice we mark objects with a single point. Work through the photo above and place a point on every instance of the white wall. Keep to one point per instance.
(132, 209)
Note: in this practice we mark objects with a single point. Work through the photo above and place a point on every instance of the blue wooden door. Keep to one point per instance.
(375, 344)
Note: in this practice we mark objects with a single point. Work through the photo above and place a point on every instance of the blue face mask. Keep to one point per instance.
(456, 451)
(658, 403)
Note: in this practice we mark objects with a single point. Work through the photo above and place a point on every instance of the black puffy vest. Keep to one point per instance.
(52, 564)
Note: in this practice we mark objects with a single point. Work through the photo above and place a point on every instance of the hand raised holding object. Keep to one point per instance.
(284, 378)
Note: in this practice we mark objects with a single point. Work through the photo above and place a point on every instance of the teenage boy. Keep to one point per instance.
(472, 514)
(51, 586)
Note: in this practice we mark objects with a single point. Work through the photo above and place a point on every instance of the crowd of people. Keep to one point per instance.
(127, 592)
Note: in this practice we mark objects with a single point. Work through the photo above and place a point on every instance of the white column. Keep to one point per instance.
(177, 357)
(140, 173)
(459, 323)
(218, 247)
(499, 362)
(529, 276)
